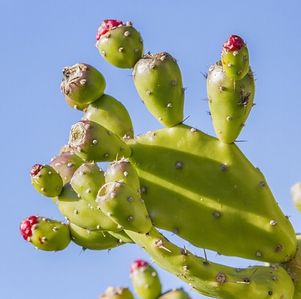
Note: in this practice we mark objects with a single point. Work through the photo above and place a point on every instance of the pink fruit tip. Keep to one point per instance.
(105, 26)
(138, 264)
(26, 226)
(234, 43)
(35, 169)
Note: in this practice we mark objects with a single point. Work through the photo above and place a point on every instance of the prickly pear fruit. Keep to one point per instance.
(93, 142)
(111, 114)
(123, 171)
(296, 195)
(125, 206)
(145, 280)
(66, 163)
(119, 44)
(83, 212)
(87, 180)
(45, 234)
(82, 83)
(183, 166)
(94, 240)
(158, 80)
(215, 280)
(235, 58)
(293, 268)
(117, 293)
(230, 102)
(75, 105)
(46, 180)
(175, 294)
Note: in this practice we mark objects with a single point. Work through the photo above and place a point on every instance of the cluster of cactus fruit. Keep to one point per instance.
(176, 178)
(146, 284)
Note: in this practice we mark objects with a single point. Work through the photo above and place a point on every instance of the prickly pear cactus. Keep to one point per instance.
(177, 178)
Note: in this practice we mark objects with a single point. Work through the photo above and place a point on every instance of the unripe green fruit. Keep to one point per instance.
(125, 206)
(122, 46)
(111, 114)
(158, 81)
(93, 142)
(145, 280)
(46, 180)
(82, 83)
(230, 102)
(45, 234)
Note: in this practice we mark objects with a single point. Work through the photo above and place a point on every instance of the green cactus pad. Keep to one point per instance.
(82, 83)
(83, 212)
(87, 180)
(117, 293)
(123, 171)
(207, 192)
(212, 279)
(94, 240)
(235, 60)
(45, 234)
(111, 114)
(145, 280)
(230, 102)
(158, 81)
(125, 206)
(66, 163)
(175, 294)
(46, 180)
(93, 142)
(121, 46)
(296, 195)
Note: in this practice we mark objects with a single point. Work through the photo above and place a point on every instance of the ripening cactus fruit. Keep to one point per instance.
(93, 142)
(175, 294)
(123, 171)
(87, 180)
(125, 206)
(46, 180)
(235, 58)
(66, 163)
(145, 280)
(119, 44)
(82, 84)
(45, 234)
(112, 115)
(158, 81)
(117, 293)
(230, 102)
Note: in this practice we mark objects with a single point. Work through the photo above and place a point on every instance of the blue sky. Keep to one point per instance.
(39, 38)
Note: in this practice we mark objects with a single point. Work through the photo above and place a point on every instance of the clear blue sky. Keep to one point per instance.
(38, 38)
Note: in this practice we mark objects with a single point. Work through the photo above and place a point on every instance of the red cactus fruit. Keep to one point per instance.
(234, 43)
(26, 226)
(105, 26)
